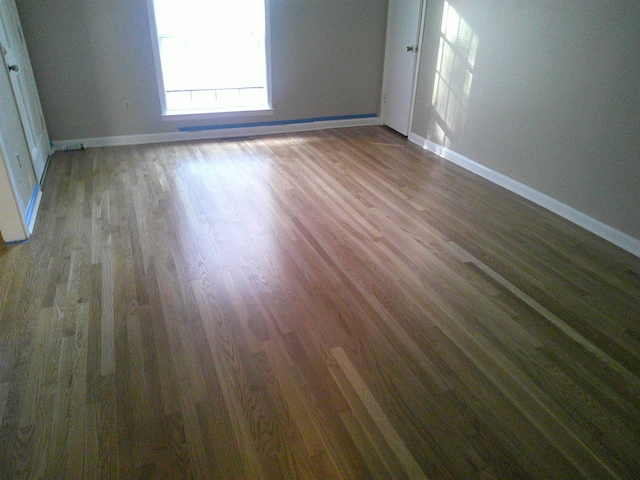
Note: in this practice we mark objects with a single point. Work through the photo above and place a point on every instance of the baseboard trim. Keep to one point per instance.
(46, 168)
(418, 140)
(33, 210)
(616, 237)
(236, 130)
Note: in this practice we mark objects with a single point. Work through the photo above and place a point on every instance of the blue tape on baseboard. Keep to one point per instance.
(277, 122)
(17, 242)
(32, 203)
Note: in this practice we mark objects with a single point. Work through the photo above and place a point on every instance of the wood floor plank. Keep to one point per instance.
(328, 304)
(558, 323)
(385, 428)
(75, 441)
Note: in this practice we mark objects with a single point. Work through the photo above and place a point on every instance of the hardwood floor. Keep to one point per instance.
(335, 304)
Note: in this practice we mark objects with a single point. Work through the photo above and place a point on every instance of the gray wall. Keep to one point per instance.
(554, 100)
(90, 56)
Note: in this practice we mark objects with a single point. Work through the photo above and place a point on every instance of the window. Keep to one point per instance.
(211, 55)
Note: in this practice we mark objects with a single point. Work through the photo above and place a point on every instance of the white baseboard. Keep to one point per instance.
(618, 238)
(213, 133)
(34, 212)
(417, 139)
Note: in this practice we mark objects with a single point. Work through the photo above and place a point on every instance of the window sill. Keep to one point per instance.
(177, 115)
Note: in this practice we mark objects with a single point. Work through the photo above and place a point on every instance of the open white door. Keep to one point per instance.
(18, 186)
(401, 57)
(23, 82)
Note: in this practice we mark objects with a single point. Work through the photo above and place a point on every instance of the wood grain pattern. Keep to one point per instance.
(334, 304)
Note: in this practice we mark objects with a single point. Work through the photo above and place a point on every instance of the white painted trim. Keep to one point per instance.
(416, 67)
(383, 97)
(267, 50)
(213, 134)
(417, 139)
(34, 212)
(156, 55)
(618, 238)
(177, 115)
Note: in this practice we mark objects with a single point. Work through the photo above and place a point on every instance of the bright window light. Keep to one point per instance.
(212, 55)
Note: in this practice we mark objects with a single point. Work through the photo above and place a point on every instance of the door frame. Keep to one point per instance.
(416, 68)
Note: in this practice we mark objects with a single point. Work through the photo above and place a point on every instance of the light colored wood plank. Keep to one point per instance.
(412, 469)
(107, 319)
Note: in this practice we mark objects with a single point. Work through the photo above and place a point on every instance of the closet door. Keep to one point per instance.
(23, 83)
(18, 185)
(400, 62)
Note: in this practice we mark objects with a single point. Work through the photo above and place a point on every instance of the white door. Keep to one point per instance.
(400, 61)
(18, 184)
(23, 82)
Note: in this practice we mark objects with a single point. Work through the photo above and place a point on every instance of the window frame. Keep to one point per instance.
(208, 114)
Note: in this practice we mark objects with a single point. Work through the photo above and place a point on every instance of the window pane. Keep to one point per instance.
(178, 101)
(217, 46)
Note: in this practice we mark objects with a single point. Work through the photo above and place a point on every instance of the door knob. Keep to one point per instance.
(410, 48)
(14, 68)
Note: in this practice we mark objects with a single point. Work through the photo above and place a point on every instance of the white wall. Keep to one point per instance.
(554, 101)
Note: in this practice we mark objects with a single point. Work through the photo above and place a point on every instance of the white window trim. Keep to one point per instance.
(209, 114)
(213, 114)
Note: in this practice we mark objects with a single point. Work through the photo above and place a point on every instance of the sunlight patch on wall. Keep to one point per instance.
(454, 75)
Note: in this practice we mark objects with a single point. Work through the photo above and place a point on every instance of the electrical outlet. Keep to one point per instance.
(127, 105)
